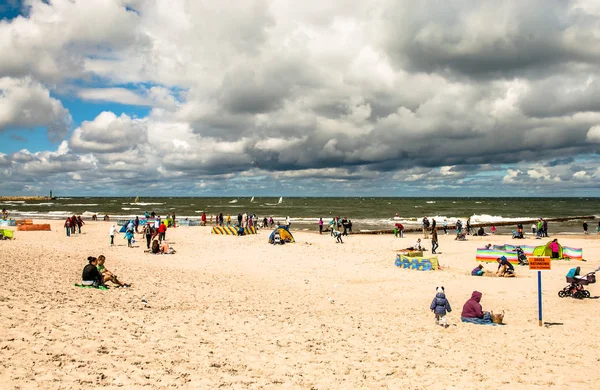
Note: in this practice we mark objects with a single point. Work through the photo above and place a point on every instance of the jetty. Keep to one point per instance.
(478, 225)
(24, 198)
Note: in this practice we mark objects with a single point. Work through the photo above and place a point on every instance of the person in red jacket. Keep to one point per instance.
(473, 313)
(162, 231)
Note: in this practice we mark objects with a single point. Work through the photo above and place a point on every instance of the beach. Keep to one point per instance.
(236, 312)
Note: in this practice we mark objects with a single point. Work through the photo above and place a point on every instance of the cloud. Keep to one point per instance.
(108, 133)
(26, 104)
(492, 94)
(593, 135)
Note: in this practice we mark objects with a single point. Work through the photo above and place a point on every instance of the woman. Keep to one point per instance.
(148, 234)
(155, 247)
(554, 247)
(320, 225)
(90, 275)
(473, 313)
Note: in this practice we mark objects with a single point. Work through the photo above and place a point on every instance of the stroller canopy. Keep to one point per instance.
(284, 234)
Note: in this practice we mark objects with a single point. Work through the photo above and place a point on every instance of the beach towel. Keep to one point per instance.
(98, 288)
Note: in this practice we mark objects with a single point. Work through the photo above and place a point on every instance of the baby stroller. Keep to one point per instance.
(575, 288)
(521, 256)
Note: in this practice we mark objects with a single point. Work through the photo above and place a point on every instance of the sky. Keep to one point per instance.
(311, 98)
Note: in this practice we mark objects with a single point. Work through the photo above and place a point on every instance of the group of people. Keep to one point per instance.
(340, 225)
(472, 311)
(585, 227)
(96, 274)
(73, 225)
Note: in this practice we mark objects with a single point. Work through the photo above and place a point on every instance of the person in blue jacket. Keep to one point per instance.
(440, 306)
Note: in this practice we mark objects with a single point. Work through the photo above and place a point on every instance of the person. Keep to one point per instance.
(155, 247)
(108, 276)
(458, 227)
(598, 228)
(349, 226)
(106, 217)
(505, 268)
(203, 218)
(554, 248)
(68, 227)
(288, 221)
(90, 275)
(162, 231)
(79, 223)
(228, 220)
(271, 221)
(136, 223)
(112, 232)
(434, 240)
(148, 234)
(468, 225)
(94, 217)
(477, 271)
(320, 225)
(473, 313)
(417, 246)
(129, 237)
(585, 228)
(520, 230)
(345, 226)
(493, 229)
(445, 226)
(481, 232)
(488, 247)
(338, 237)
(440, 306)
(540, 229)
(533, 228)
(425, 227)
(240, 230)
(545, 227)
(164, 249)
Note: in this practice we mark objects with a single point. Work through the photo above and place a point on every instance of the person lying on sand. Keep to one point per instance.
(107, 275)
(164, 249)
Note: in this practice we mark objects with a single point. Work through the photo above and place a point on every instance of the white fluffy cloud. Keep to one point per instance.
(108, 133)
(25, 103)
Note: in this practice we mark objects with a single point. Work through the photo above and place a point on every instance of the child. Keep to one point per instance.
(113, 231)
(338, 237)
(440, 306)
(129, 237)
(477, 271)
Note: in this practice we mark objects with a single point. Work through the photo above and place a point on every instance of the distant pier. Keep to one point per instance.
(24, 198)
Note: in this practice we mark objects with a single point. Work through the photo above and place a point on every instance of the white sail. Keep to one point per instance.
(233, 201)
(252, 200)
(136, 199)
(280, 200)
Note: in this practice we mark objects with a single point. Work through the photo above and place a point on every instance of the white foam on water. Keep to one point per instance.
(82, 204)
(130, 208)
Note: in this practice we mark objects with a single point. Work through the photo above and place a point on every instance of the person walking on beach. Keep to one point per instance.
(136, 223)
(112, 232)
(545, 227)
(445, 226)
(148, 234)
(320, 225)
(434, 240)
(162, 231)
(228, 219)
(425, 227)
(468, 227)
(585, 228)
(68, 227)
(440, 306)
(79, 223)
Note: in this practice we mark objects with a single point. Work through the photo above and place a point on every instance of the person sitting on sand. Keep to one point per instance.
(164, 249)
(90, 275)
(107, 275)
(155, 247)
(473, 313)
(417, 245)
(488, 246)
(477, 271)
(493, 229)
(505, 268)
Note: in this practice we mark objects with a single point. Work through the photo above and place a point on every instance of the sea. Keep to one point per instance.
(366, 213)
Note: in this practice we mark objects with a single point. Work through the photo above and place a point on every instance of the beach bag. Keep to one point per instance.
(497, 318)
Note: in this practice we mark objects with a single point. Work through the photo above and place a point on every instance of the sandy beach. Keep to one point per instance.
(236, 312)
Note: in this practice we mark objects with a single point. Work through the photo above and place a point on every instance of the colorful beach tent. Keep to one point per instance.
(284, 234)
(544, 250)
(7, 233)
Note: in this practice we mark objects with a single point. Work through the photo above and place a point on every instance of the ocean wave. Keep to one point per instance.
(81, 204)
(13, 201)
(430, 201)
(130, 208)
(144, 204)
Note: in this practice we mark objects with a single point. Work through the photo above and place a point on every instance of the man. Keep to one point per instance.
(425, 227)
(505, 268)
(162, 231)
(434, 240)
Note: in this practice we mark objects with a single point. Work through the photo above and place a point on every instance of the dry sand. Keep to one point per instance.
(236, 312)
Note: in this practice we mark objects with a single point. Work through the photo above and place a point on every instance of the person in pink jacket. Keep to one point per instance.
(554, 248)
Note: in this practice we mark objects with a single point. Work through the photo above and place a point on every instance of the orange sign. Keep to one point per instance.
(539, 263)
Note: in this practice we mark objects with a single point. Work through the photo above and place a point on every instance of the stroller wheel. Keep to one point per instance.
(562, 294)
(578, 295)
(586, 293)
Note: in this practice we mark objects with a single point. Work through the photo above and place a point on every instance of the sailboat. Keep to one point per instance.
(252, 200)
(280, 200)
(136, 199)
